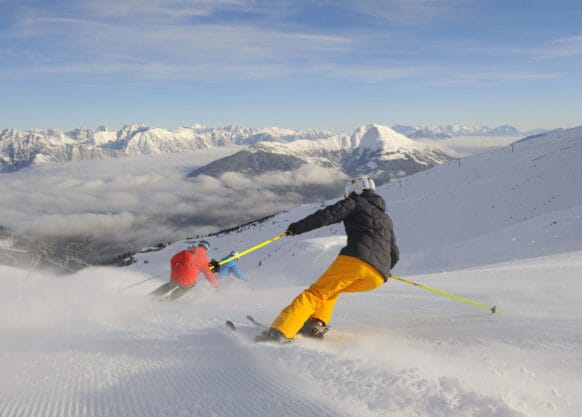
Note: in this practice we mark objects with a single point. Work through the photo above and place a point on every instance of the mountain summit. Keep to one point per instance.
(374, 150)
(380, 137)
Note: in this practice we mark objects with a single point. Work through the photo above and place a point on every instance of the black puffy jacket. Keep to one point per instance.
(368, 227)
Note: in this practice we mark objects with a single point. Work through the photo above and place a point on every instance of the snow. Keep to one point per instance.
(461, 146)
(381, 137)
(382, 140)
(373, 136)
(51, 145)
(489, 229)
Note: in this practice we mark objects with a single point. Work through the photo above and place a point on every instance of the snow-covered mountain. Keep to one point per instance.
(374, 150)
(449, 131)
(20, 149)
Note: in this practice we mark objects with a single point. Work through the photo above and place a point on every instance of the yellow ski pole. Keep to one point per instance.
(446, 294)
(249, 250)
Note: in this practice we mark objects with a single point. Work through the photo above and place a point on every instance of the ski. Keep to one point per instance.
(256, 323)
(250, 318)
(248, 331)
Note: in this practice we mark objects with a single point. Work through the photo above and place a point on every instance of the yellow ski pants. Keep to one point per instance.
(345, 274)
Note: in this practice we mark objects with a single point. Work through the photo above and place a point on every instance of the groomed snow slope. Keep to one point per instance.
(93, 344)
(83, 346)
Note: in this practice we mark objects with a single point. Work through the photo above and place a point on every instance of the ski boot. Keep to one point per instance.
(272, 335)
(314, 328)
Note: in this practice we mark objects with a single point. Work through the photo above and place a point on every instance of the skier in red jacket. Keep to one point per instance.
(186, 266)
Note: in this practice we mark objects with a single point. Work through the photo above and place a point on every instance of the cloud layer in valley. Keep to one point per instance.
(144, 200)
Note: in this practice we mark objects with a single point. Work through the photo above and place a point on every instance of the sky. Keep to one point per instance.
(296, 64)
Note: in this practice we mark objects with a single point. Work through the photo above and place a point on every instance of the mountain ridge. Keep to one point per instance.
(373, 150)
(449, 131)
(19, 149)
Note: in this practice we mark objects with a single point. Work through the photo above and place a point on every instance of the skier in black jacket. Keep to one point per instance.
(362, 265)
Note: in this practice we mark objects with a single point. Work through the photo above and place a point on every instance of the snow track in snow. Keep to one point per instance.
(160, 378)
(236, 377)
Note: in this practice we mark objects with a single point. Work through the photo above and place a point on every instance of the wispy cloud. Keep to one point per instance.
(491, 76)
(176, 51)
(562, 47)
(162, 10)
(208, 40)
(404, 12)
(216, 52)
(378, 73)
(205, 40)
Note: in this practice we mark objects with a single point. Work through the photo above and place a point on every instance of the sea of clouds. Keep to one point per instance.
(142, 200)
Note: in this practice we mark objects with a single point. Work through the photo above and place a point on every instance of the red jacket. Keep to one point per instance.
(187, 265)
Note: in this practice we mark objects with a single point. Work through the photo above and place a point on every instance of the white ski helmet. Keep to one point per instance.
(204, 244)
(358, 185)
(235, 254)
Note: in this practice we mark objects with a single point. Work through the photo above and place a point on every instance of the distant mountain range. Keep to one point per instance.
(449, 131)
(19, 149)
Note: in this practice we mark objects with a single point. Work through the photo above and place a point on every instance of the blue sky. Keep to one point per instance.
(295, 64)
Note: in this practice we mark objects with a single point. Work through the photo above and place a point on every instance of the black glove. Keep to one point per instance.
(214, 265)
(291, 230)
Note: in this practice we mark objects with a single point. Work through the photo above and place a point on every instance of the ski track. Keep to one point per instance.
(79, 383)
(82, 382)
(346, 379)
